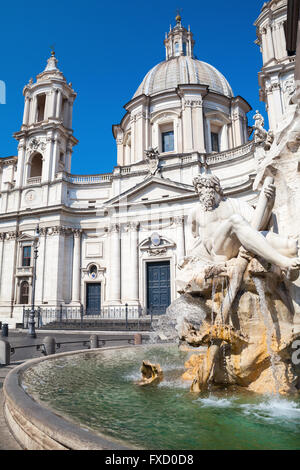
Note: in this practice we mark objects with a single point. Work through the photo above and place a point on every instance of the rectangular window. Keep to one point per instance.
(168, 141)
(26, 258)
(215, 142)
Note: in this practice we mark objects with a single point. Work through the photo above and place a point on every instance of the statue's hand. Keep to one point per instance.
(270, 192)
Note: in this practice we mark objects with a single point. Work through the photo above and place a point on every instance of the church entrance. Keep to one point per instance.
(158, 287)
(93, 298)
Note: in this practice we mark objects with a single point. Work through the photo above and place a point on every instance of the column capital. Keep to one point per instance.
(178, 219)
(132, 226)
(77, 232)
(114, 228)
(43, 231)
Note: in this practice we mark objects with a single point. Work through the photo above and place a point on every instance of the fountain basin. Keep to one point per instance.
(90, 400)
(37, 427)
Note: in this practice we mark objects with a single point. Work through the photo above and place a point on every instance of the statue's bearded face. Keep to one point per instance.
(209, 191)
(208, 197)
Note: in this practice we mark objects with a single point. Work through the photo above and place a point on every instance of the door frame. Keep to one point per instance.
(85, 294)
(143, 277)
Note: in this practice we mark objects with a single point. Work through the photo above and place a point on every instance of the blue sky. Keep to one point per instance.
(106, 48)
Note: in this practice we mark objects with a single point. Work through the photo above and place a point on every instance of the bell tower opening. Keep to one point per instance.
(36, 166)
(41, 102)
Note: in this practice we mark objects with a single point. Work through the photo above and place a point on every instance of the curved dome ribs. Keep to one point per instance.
(183, 70)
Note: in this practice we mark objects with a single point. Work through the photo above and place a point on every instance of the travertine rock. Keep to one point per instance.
(254, 351)
(151, 374)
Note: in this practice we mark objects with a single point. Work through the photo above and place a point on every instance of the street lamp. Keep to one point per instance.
(31, 322)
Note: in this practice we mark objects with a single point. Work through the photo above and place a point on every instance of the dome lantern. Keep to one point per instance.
(179, 41)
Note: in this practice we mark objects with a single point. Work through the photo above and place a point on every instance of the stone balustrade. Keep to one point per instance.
(34, 180)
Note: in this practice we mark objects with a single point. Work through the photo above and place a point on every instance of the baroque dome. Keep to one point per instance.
(183, 70)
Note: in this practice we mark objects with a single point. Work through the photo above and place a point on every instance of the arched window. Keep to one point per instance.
(93, 271)
(184, 48)
(24, 293)
(36, 165)
(176, 48)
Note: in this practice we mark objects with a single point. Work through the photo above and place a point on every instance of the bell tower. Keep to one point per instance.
(276, 78)
(46, 137)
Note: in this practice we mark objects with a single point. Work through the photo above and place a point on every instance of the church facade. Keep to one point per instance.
(111, 242)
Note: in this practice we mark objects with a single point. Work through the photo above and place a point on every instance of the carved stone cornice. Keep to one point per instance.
(157, 251)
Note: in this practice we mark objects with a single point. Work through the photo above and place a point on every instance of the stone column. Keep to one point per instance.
(54, 158)
(277, 102)
(26, 111)
(132, 277)
(54, 99)
(271, 110)
(275, 35)
(187, 127)
(199, 126)
(48, 155)
(2, 268)
(21, 163)
(208, 144)
(68, 158)
(33, 109)
(70, 114)
(40, 267)
(76, 266)
(224, 138)
(120, 150)
(264, 45)
(58, 105)
(133, 139)
(115, 265)
(179, 222)
(282, 39)
(55, 262)
(270, 43)
(140, 134)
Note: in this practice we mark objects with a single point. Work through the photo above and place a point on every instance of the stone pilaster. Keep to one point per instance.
(130, 263)
(115, 265)
(40, 266)
(76, 266)
(180, 242)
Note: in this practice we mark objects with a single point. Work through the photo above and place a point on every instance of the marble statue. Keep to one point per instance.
(220, 226)
(261, 135)
(235, 276)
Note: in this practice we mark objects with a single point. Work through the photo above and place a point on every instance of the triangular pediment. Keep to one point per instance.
(154, 189)
(25, 238)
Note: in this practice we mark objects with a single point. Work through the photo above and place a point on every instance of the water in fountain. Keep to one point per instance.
(223, 323)
(99, 393)
(259, 284)
(213, 294)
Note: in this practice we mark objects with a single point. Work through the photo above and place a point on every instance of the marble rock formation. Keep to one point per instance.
(254, 350)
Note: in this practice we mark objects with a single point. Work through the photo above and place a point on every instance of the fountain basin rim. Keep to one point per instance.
(37, 427)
